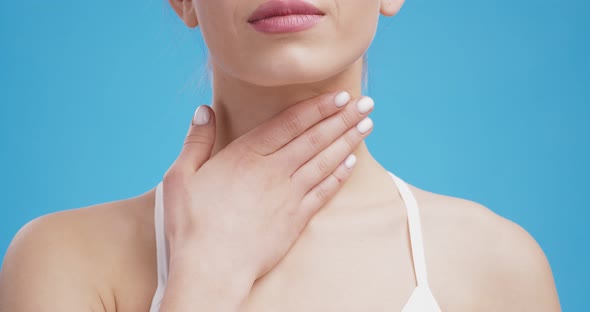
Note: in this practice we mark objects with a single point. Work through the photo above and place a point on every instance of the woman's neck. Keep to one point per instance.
(240, 107)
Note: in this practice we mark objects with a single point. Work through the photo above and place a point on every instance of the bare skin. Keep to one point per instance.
(103, 257)
(353, 255)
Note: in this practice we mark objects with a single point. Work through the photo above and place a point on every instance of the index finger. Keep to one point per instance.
(276, 132)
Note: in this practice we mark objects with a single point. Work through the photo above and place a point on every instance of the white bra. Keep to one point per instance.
(421, 299)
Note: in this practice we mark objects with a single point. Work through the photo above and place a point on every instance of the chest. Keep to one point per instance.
(340, 268)
(341, 265)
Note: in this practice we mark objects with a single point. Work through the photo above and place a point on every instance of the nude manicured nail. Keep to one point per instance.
(341, 98)
(201, 116)
(365, 104)
(364, 125)
(350, 161)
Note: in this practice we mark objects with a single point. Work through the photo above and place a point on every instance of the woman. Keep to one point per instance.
(265, 208)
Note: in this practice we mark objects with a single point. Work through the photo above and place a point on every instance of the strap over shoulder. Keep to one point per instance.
(415, 229)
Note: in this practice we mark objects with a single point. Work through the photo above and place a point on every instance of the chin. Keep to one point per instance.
(281, 76)
(280, 71)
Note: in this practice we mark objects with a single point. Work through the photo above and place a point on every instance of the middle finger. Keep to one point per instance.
(297, 152)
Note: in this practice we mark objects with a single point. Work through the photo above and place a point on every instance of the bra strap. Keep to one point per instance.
(161, 248)
(415, 229)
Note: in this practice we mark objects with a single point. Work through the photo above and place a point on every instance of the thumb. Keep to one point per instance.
(199, 140)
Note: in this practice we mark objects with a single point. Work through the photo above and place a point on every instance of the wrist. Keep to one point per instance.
(219, 278)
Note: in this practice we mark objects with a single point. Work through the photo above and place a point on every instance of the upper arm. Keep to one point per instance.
(44, 270)
(525, 268)
(515, 271)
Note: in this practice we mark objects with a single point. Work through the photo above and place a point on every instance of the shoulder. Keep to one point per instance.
(500, 264)
(74, 254)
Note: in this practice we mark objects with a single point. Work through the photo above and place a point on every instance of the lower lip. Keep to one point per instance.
(287, 23)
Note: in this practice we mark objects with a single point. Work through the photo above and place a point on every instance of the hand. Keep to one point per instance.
(240, 211)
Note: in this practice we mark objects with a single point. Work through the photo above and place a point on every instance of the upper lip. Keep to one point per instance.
(283, 7)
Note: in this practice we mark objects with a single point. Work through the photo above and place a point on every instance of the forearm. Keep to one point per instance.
(193, 286)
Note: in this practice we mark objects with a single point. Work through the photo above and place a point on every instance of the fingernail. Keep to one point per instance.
(201, 116)
(364, 125)
(365, 104)
(350, 161)
(341, 98)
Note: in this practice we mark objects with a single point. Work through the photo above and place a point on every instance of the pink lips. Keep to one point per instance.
(281, 16)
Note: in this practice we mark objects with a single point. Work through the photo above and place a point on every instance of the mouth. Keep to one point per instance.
(277, 16)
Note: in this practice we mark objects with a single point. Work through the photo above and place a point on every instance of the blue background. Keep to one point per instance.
(485, 100)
